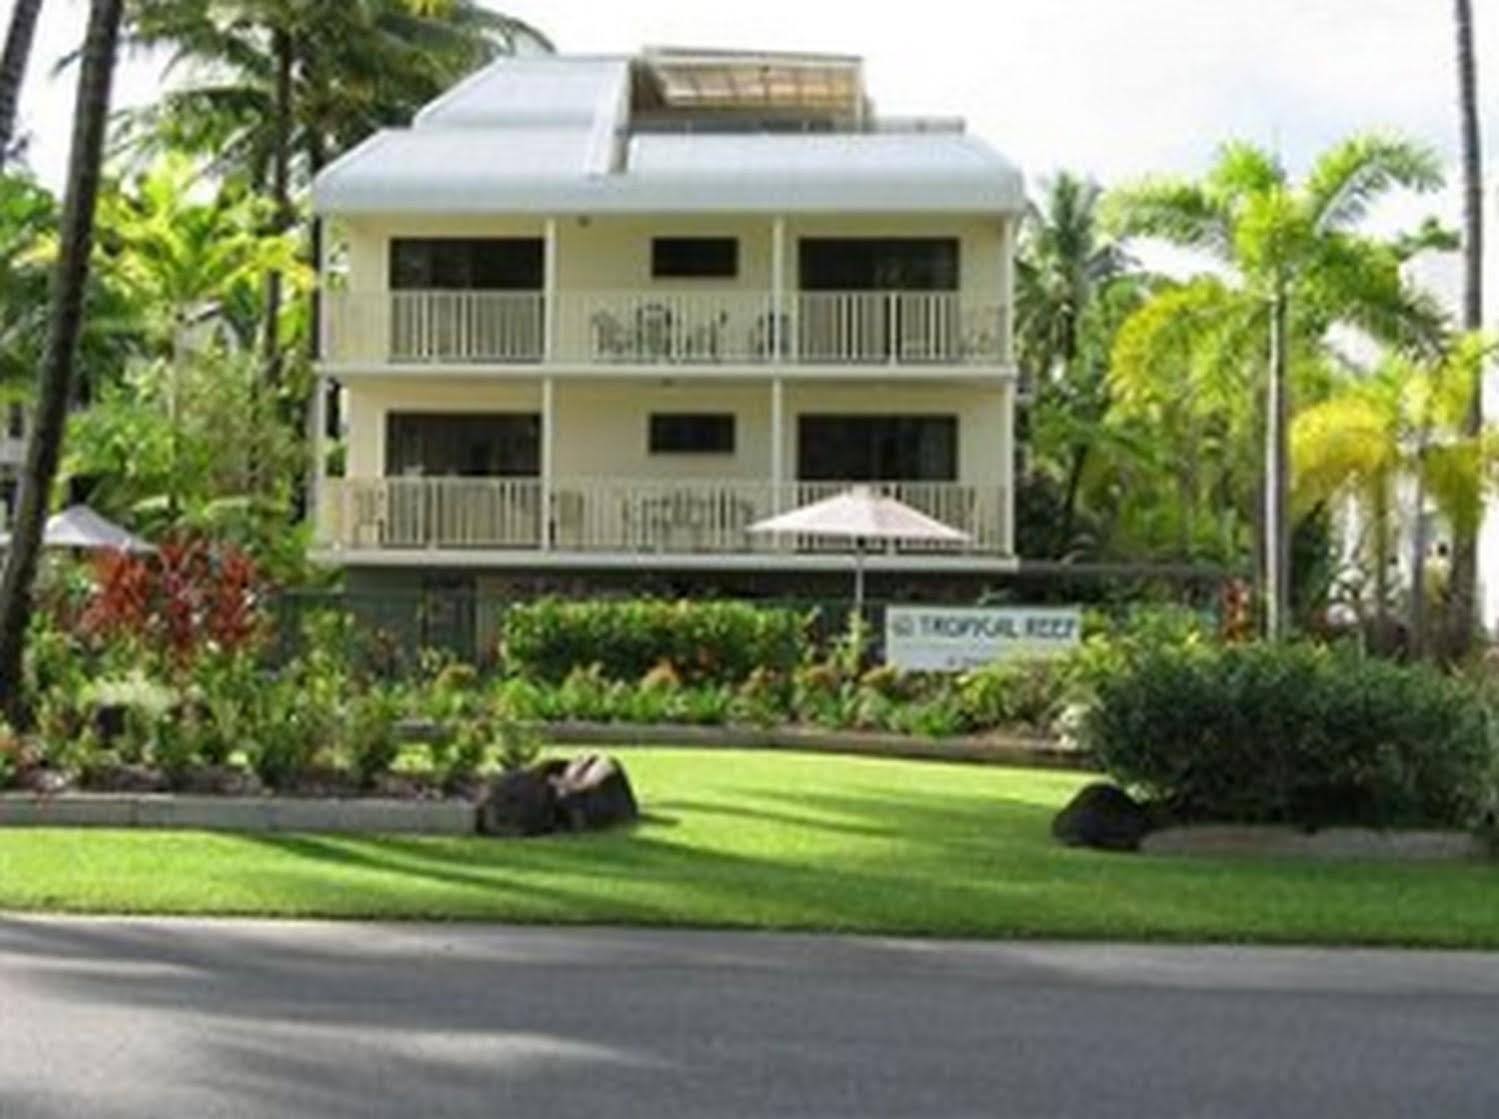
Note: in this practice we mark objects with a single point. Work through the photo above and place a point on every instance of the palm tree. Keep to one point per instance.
(1465, 544)
(281, 83)
(70, 280)
(1401, 427)
(1069, 280)
(17, 53)
(1298, 266)
(183, 255)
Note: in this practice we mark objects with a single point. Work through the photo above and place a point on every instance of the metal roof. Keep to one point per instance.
(551, 135)
(550, 91)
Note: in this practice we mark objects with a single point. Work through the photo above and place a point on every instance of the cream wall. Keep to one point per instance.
(368, 403)
(603, 430)
(614, 253)
(602, 426)
(984, 455)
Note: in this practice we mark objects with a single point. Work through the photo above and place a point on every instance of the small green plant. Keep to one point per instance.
(373, 741)
(293, 724)
(519, 745)
(14, 756)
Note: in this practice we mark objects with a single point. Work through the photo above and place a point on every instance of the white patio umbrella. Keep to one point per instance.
(860, 514)
(80, 528)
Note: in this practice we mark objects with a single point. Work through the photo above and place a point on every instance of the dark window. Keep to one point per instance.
(692, 434)
(15, 421)
(878, 264)
(694, 258)
(496, 444)
(877, 448)
(466, 264)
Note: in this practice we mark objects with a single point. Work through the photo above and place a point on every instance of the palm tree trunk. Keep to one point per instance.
(1464, 578)
(18, 40)
(70, 279)
(1277, 479)
(271, 355)
(1417, 641)
(1381, 530)
(1070, 494)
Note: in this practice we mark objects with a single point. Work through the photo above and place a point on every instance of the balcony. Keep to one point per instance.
(648, 517)
(662, 328)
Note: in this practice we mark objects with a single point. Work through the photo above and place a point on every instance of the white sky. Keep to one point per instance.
(1114, 87)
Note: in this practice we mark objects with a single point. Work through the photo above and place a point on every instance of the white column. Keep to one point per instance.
(1007, 242)
(777, 444)
(317, 490)
(548, 458)
(549, 291)
(1007, 472)
(777, 287)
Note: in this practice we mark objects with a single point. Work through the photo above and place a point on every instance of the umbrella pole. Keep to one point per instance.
(857, 622)
(859, 578)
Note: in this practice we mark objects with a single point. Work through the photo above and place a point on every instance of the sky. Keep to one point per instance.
(1116, 88)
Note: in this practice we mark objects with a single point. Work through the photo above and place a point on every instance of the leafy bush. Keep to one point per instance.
(519, 745)
(14, 756)
(1030, 693)
(1294, 734)
(373, 741)
(712, 642)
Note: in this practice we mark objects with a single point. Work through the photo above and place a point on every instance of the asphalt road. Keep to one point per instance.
(104, 1018)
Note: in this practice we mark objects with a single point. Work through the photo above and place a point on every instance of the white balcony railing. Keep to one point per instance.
(614, 515)
(663, 328)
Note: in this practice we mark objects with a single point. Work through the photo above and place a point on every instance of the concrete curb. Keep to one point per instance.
(240, 814)
(997, 749)
(1236, 841)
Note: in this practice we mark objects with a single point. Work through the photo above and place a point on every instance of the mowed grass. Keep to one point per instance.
(772, 840)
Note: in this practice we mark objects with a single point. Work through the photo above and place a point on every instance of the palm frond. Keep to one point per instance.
(1350, 177)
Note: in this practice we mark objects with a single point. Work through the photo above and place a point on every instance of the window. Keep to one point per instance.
(878, 264)
(466, 264)
(15, 421)
(694, 258)
(692, 434)
(877, 448)
(473, 445)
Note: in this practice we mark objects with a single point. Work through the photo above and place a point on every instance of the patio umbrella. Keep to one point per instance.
(860, 514)
(82, 529)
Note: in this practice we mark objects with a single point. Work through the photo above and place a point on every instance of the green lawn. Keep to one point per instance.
(771, 840)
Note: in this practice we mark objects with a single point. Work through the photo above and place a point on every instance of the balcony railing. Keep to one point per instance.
(612, 515)
(623, 328)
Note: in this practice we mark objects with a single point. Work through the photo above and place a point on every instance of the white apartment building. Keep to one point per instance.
(605, 312)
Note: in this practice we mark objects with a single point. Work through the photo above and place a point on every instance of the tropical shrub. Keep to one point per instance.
(1296, 734)
(1029, 693)
(715, 642)
(373, 738)
(519, 745)
(190, 595)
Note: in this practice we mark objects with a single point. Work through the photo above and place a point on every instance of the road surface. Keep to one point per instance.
(112, 1018)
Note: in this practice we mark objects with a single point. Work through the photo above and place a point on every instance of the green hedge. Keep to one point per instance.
(719, 642)
(1294, 734)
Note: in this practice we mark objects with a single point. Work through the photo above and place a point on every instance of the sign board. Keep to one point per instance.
(955, 638)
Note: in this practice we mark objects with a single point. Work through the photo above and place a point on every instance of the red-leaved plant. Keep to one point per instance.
(191, 594)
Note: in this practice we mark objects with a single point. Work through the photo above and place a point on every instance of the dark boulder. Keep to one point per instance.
(588, 793)
(521, 802)
(1102, 816)
(593, 793)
